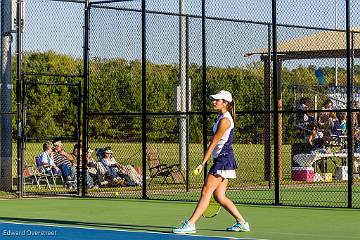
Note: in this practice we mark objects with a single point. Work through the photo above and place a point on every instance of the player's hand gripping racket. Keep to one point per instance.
(213, 209)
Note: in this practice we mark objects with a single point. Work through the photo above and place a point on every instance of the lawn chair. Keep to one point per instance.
(158, 170)
(32, 175)
(43, 174)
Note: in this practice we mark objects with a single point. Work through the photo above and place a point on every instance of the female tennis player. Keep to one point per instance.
(223, 168)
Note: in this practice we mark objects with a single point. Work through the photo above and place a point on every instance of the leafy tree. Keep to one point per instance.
(115, 86)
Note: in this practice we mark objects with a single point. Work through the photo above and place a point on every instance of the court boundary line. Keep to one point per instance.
(121, 230)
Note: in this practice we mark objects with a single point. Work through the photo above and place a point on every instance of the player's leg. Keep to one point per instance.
(212, 182)
(225, 202)
(188, 226)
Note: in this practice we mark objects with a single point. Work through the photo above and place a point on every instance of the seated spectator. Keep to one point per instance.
(126, 175)
(131, 176)
(46, 161)
(324, 116)
(77, 151)
(335, 124)
(65, 165)
(356, 135)
(74, 155)
(317, 142)
(355, 115)
(304, 120)
(316, 138)
(96, 169)
(343, 120)
(111, 165)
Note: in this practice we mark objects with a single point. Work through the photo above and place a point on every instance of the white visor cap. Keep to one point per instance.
(222, 95)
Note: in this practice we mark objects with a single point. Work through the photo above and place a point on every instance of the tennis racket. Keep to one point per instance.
(212, 210)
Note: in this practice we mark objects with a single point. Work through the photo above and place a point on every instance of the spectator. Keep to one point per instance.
(111, 165)
(343, 122)
(77, 151)
(316, 138)
(73, 156)
(304, 119)
(46, 161)
(61, 160)
(356, 135)
(335, 124)
(355, 115)
(96, 169)
(324, 116)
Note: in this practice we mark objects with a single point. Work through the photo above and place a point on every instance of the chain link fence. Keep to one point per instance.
(146, 75)
(50, 97)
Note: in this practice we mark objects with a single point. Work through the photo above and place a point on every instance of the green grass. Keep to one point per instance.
(250, 157)
(267, 222)
(249, 187)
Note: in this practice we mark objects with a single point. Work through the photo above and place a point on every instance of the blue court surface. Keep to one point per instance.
(11, 231)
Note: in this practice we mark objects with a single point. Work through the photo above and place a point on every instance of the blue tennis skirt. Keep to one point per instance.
(224, 165)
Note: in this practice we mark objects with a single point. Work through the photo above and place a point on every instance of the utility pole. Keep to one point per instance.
(6, 96)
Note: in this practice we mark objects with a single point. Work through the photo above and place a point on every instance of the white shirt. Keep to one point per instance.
(225, 137)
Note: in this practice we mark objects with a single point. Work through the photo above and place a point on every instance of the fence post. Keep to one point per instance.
(349, 88)
(85, 97)
(275, 103)
(19, 106)
(143, 94)
(204, 93)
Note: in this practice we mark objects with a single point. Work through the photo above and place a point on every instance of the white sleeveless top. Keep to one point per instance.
(219, 148)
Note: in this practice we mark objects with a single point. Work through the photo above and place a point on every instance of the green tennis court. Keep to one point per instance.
(267, 222)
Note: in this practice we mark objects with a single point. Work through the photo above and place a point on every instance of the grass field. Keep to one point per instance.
(249, 187)
(250, 157)
(267, 222)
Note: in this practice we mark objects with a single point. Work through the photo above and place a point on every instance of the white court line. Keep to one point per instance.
(120, 230)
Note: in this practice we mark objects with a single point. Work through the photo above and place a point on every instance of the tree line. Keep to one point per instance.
(115, 87)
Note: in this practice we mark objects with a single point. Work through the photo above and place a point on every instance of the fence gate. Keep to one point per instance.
(51, 112)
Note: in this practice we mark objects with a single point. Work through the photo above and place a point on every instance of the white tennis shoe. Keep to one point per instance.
(238, 227)
(185, 227)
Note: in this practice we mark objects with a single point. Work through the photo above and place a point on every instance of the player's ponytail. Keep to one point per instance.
(231, 109)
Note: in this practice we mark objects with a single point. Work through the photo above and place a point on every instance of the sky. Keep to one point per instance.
(58, 26)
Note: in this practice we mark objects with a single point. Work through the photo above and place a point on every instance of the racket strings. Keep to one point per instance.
(212, 210)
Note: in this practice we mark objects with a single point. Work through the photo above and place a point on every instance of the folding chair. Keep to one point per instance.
(158, 170)
(46, 173)
(30, 174)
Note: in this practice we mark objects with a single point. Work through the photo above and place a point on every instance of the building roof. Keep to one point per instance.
(324, 44)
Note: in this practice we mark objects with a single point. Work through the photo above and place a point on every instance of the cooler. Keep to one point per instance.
(302, 174)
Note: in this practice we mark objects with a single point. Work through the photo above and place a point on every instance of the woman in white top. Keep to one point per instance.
(223, 168)
(111, 165)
